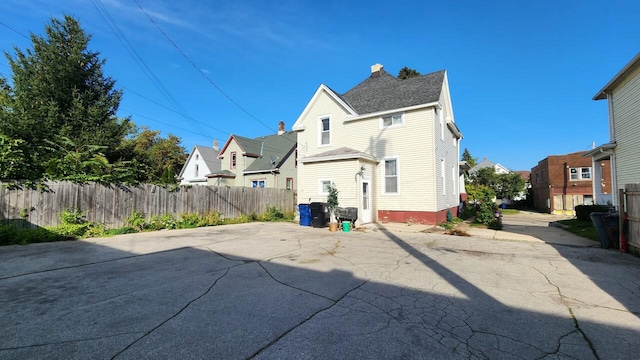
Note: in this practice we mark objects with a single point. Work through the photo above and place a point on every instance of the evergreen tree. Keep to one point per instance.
(466, 156)
(406, 73)
(59, 91)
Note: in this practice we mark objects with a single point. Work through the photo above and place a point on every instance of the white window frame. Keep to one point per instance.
(579, 173)
(441, 121)
(321, 131)
(288, 183)
(258, 181)
(321, 188)
(384, 175)
(443, 176)
(453, 179)
(400, 121)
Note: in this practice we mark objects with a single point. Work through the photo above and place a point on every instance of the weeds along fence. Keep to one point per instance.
(112, 205)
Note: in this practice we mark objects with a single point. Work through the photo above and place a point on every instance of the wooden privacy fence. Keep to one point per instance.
(632, 200)
(112, 205)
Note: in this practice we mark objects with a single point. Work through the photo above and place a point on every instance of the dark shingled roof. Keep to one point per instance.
(386, 92)
(275, 149)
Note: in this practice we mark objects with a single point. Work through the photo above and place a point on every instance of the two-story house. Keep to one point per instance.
(562, 182)
(390, 146)
(266, 161)
(623, 149)
(201, 162)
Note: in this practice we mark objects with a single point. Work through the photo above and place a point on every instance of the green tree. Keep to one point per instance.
(504, 186)
(12, 160)
(406, 73)
(466, 156)
(159, 158)
(59, 90)
(86, 163)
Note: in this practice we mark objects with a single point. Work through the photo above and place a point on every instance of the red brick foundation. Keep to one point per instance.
(415, 217)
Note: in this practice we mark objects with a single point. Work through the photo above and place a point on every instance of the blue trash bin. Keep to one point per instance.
(305, 214)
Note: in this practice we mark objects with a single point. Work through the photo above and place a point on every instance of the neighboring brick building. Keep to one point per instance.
(562, 182)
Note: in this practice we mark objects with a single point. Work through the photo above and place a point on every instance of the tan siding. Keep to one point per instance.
(341, 173)
(412, 143)
(626, 113)
(446, 150)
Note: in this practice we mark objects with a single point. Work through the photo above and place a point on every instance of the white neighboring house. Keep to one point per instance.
(623, 149)
(390, 146)
(202, 161)
(485, 163)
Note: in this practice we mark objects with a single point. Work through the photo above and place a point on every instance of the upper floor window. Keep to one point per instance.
(196, 171)
(197, 156)
(257, 183)
(391, 176)
(325, 131)
(580, 173)
(289, 183)
(392, 120)
(233, 160)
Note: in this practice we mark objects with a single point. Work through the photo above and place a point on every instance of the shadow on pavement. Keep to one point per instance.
(92, 301)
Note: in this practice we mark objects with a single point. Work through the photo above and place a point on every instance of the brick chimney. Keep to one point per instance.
(281, 128)
(216, 146)
(375, 70)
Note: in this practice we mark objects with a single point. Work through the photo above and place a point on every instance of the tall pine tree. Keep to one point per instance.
(58, 90)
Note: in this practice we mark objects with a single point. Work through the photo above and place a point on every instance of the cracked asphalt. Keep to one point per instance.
(279, 290)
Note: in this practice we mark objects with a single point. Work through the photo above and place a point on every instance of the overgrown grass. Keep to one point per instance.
(74, 226)
(581, 228)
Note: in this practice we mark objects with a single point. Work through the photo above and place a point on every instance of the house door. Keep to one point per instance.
(365, 217)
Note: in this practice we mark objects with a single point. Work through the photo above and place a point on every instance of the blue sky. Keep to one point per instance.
(522, 74)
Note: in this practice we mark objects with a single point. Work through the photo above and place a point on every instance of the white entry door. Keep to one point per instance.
(365, 216)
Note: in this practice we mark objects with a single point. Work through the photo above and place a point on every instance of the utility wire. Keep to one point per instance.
(110, 21)
(200, 70)
(14, 30)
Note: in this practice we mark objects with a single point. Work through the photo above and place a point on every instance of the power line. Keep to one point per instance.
(14, 30)
(200, 70)
(172, 110)
(110, 21)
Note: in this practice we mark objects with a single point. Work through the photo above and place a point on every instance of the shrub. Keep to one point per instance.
(468, 212)
(137, 220)
(583, 211)
(12, 235)
(159, 222)
(71, 216)
(486, 214)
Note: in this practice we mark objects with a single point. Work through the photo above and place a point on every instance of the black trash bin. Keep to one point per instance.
(597, 218)
(612, 227)
(318, 214)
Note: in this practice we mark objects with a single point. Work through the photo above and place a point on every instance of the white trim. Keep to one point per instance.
(321, 191)
(265, 171)
(383, 188)
(443, 175)
(299, 126)
(392, 111)
(361, 156)
(321, 130)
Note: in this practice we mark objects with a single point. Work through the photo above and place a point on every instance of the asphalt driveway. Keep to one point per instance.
(278, 290)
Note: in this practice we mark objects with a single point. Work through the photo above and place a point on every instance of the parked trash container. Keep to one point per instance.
(611, 225)
(305, 214)
(318, 214)
(597, 218)
(346, 226)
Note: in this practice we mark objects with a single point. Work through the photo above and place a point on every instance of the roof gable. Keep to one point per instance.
(620, 76)
(322, 89)
(386, 92)
(209, 156)
(275, 151)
